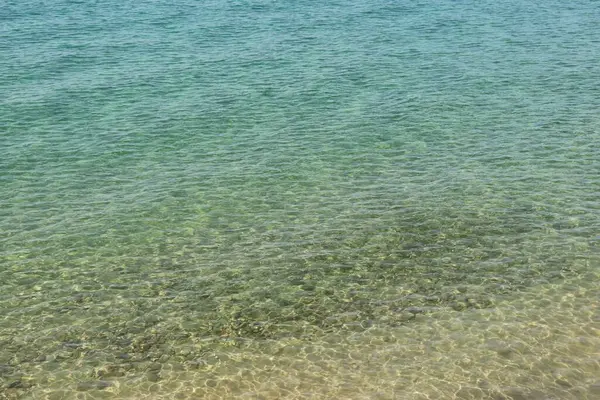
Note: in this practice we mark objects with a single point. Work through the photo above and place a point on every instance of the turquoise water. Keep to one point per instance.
(297, 200)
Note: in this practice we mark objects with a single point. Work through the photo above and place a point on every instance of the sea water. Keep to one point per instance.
(277, 199)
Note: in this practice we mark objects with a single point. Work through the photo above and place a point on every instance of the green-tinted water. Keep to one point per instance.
(274, 199)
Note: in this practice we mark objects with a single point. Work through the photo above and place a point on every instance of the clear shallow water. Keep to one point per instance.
(360, 200)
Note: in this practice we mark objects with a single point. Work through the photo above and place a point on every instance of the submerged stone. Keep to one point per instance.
(6, 369)
(93, 385)
(153, 376)
(594, 388)
(18, 384)
(109, 371)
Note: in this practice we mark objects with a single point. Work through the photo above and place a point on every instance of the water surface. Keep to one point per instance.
(285, 200)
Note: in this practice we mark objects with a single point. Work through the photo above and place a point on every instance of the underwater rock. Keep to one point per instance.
(350, 316)
(154, 367)
(57, 395)
(153, 376)
(93, 385)
(517, 393)
(470, 393)
(415, 310)
(18, 384)
(73, 345)
(405, 316)
(110, 371)
(197, 363)
(458, 305)
(353, 326)
(63, 355)
(6, 369)
(561, 379)
(594, 388)
(164, 358)
(502, 348)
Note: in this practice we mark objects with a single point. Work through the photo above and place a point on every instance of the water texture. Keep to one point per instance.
(299, 199)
